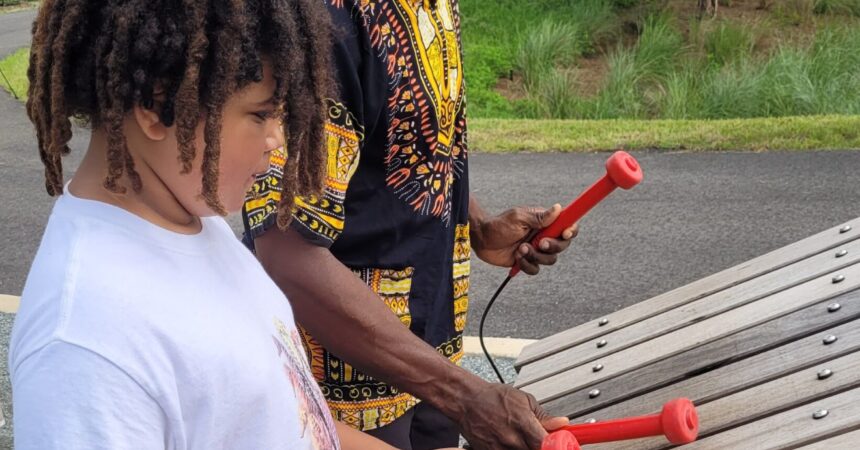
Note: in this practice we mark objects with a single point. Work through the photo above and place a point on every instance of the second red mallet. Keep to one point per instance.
(678, 422)
(622, 170)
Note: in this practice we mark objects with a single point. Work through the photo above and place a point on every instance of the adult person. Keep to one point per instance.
(386, 248)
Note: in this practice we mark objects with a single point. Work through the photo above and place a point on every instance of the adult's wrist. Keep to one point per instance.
(455, 394)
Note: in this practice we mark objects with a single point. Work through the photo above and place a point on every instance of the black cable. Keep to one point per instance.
(481, 328)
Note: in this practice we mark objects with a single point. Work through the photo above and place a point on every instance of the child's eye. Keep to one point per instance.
(263, 115)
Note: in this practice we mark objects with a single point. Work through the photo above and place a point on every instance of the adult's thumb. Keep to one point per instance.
(546, 217)
(554, 423)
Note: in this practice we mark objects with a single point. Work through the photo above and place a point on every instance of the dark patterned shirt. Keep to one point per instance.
(395, 206)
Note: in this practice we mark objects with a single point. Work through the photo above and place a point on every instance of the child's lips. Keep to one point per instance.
(263, 169)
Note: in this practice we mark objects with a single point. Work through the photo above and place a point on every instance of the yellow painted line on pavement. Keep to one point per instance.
(499, 347)
(9, 303)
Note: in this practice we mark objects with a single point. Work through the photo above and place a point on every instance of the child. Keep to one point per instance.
(144, 322)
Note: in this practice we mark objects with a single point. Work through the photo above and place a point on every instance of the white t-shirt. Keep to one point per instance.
(131, 336)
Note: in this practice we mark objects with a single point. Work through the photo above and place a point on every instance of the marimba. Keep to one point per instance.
(767, 350)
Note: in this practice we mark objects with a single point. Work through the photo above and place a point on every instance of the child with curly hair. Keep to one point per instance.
(144, 322)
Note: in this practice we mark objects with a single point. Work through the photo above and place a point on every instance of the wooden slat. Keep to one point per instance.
(844, 441)
(781, 394)
(776, 259)
(701, 333)
(763, 400)
(690, 313)
(796, 337)
(791, 428)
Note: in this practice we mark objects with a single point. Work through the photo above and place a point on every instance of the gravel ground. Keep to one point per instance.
(478, 365)
(5, 388)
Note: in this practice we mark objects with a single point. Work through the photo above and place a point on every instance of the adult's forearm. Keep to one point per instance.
(351, 321)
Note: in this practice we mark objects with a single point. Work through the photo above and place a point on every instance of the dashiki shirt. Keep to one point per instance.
(395, 205)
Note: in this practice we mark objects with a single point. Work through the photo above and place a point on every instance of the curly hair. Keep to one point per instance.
(96, 60)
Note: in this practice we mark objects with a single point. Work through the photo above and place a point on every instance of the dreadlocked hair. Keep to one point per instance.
(96, 60)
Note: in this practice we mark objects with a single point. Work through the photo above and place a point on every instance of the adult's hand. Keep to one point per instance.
(499, 417)
(499, 240)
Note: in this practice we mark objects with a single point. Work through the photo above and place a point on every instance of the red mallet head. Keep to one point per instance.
(680, 421)
(623, 170)
(560, 440)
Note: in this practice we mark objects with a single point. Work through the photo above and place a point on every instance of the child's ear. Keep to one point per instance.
(150, 123)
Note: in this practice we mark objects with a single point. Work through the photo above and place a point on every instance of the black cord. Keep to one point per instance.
(481, 328)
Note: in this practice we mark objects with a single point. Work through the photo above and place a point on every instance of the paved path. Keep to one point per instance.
(15, 30)
(695, 214)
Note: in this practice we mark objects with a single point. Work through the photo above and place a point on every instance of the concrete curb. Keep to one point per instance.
(9, 304)
(498, 347)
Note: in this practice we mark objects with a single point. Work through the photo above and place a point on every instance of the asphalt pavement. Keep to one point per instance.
(15, 30)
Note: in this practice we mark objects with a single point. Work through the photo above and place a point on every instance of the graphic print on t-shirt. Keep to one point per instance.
(314, 416)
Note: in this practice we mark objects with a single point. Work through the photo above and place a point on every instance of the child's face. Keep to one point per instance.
(249, 132)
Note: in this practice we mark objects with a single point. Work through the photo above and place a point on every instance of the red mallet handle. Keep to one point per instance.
(678, 421)
(622, 171)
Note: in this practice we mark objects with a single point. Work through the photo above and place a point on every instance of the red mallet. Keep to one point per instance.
(560, 440)
(622, 171)
(678, 421)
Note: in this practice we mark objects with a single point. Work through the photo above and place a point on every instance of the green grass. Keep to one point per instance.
(728, 42)
(658, 49)
(547, 46)
(14, 67)
(838, 7)
(662, 77)
(821, 79)
(492, 37)
(7, 6)
(818, 88)
(555, 96)
(658, 69)
(790, 133)
(635, 72)
(680, 99)
(795, 12)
